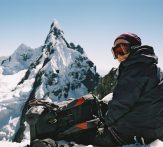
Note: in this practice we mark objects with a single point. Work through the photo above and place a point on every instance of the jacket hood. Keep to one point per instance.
(138, 54)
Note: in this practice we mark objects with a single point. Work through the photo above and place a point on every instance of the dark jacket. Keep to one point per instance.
(137, 105)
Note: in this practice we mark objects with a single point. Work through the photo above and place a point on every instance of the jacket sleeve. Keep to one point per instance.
(126, 93)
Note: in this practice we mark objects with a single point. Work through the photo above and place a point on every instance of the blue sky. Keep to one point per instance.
(93, 24)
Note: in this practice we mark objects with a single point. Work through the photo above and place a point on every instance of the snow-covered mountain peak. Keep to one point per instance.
(55, 34)
(55, 24)
(21, 59)
(62, 68)
(65, 68)
(23, 46)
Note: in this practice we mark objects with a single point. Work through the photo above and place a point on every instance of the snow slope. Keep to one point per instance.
(11, 102)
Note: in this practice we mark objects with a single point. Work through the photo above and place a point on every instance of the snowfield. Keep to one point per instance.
(156, 143)
(13, 144)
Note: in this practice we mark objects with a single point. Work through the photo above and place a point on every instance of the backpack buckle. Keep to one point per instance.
(52, 120)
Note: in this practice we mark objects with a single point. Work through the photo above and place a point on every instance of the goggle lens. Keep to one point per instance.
(120, 49)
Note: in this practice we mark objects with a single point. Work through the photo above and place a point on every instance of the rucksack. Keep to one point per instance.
(68, 120)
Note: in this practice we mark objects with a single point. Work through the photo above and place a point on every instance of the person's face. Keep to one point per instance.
(123, 46)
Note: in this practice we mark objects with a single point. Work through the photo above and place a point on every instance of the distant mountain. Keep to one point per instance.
(20, 59)
(62, 70)
(106, 84)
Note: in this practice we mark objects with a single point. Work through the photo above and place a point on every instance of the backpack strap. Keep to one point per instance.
(43, 102)
(80, 127)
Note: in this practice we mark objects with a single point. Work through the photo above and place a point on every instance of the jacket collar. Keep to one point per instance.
(141, 54)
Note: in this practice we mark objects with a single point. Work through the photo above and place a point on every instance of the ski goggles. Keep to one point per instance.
(120, 49)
